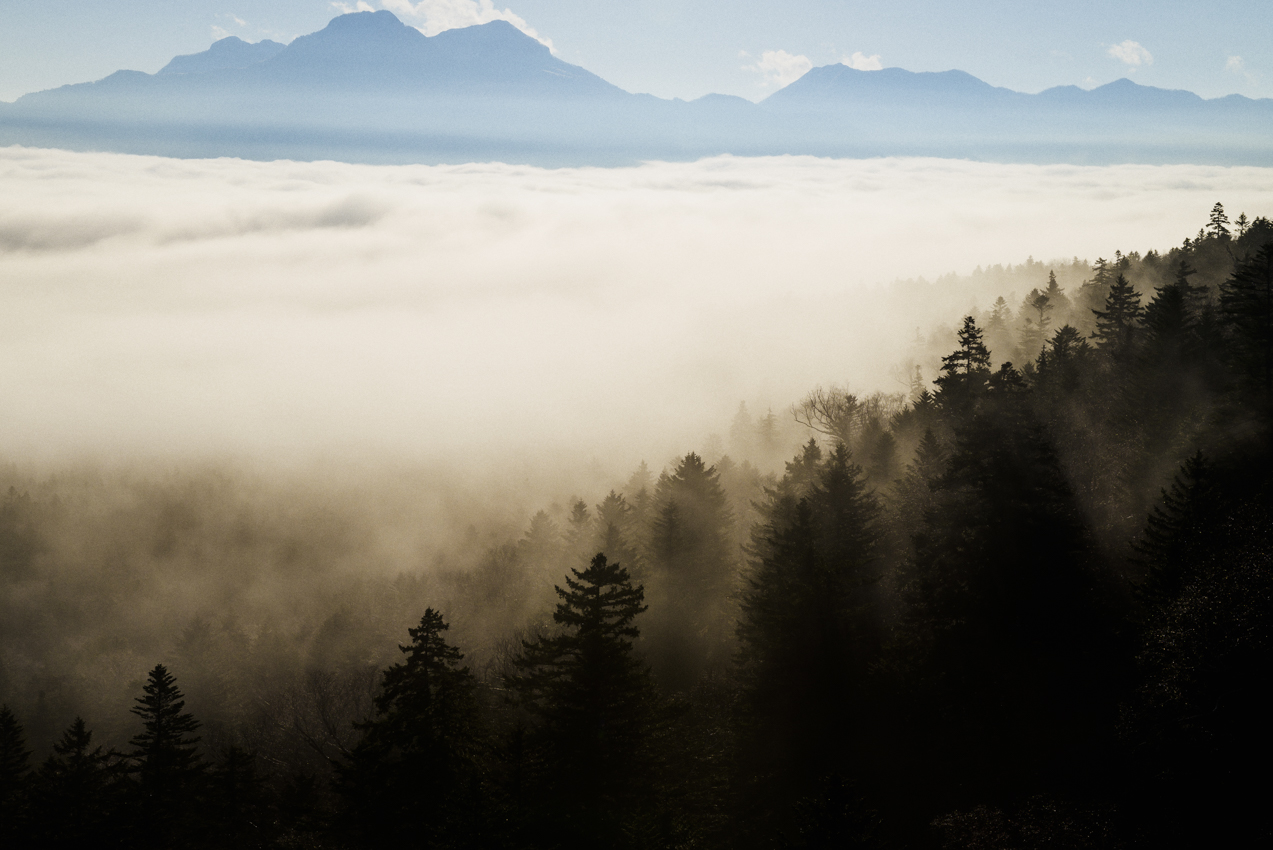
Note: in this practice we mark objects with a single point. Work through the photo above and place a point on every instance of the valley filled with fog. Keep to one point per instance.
(771, 502)
(212, 310)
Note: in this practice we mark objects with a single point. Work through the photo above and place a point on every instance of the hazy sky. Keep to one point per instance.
(687, 48)
(216, 308)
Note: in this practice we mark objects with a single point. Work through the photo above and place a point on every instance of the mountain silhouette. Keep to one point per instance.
(228, 53)
(368, 88)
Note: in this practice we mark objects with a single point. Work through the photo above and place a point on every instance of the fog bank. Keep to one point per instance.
(307, 311)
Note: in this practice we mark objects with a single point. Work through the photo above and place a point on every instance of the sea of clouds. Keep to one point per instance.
(298, 311)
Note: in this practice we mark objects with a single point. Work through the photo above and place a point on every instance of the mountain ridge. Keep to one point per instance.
(369, 88)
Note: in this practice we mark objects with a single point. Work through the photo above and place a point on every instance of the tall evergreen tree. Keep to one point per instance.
(167, 762)
(1218, 223)
(78, 792)
(1246, 303)
(808, 635)
(593, 705)
(580, 532)
(964, 372)
(693, 572)
(411, 776)
(14, 773)
(1116, 324)
(1056, 297)
(1035, 331)
(1002, 613)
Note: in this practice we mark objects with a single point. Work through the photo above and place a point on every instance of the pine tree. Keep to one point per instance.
(1036, 326)
(78, 791)
(166, 759)
(410, 776)
(1218, 224)
(14, 772)
(1064, 361)
(1056, 296)
(808, 635)
(617, 533)
(693, 571)
(964, 372)
(1116, 324)
(592, 702)
(1000, 597)
(1095, 291)
(1175, 534)
(1246, 303)
(579, 532)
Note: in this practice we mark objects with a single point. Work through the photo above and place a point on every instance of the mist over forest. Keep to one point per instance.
(770, 503)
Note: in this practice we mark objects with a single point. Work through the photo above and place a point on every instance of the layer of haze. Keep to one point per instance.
(205, 310)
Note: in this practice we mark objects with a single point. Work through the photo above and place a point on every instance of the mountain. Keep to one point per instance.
(223, 55)
(368, 88)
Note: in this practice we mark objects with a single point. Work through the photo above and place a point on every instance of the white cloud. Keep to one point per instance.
(280, 310)
(780, 68)
(862, 62)
(347, 9)
(1235, 65)
(219, 33)
(1131, 53)
(436, 16)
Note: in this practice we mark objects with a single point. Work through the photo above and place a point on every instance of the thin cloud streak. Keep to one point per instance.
(222, 308)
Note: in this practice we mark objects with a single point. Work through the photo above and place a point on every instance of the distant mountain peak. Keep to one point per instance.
(380, 20)
(229, 53)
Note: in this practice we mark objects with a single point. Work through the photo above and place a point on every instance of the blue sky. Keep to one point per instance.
(687, 48)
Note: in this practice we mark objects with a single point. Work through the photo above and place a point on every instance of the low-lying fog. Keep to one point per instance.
(202, 310)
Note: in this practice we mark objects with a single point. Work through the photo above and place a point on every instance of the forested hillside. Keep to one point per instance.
(1027, 603)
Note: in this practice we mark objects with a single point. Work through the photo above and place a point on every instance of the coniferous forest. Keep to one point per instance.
(1025, 602)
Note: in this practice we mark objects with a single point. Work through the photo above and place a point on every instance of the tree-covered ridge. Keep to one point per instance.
(1025, 604)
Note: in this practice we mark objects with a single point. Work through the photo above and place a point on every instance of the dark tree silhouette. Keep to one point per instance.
(693, 570)
(166, 760)
(964, 373)
(14, 772)
(412, 774)
(1218, 223)
(79, 792)
(1116, 324)
(592, 704)
(1246, 301)
(808, 634)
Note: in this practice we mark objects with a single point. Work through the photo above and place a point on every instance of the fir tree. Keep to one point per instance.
(1056, 296)
(579, 532)
(804, 615)
(1116, 324)
(693, 570)
(1064, 361)
(1175, 537)
(1001, 599)
(592, 702)
(1218, 224)
(14, 771)
(1246, 303)
(1036, 326)
(78, 791)
(964, 372)
(410, 775)
(166, 759)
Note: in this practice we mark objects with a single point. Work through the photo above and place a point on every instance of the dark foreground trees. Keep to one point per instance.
(810, 630)
(413, 777)
(587, 761)
(953, 647)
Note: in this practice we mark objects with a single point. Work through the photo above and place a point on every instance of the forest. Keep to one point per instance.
(1027, 603)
